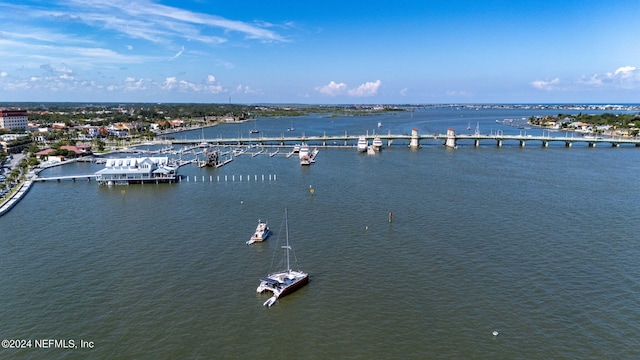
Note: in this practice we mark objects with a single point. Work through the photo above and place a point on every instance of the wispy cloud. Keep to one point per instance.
(178, 54)
(146, 19)
(53, 53)
(457, 93)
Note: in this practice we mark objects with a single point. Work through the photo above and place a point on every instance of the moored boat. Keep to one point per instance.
(286, 281)
(376, 144)
(261, 234)
(303, 155)
(362, 144)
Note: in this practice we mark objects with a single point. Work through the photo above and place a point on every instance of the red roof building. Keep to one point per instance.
(14, 119)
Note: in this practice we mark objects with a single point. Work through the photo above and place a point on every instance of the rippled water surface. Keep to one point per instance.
(539, 244)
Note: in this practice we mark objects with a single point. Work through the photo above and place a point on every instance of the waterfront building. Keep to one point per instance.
(13, 119)
(124, 171)
(14, 143)
(78, 150)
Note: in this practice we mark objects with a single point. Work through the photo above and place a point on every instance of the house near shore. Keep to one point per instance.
(51, 156)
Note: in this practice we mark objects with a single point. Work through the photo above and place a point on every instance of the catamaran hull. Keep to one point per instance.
(295, 286)
(286, 290)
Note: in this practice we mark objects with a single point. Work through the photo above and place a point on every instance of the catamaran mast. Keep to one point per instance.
(287, 247)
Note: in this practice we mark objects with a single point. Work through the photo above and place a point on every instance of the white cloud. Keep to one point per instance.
(457, 93)
(332, 89)
(244, 89)
(545, 84)
(366, 89)
(211, 85)
(133, 84)
(625, 71)
(208, 85)
(625, 77)
(169, 83)
(335, 89)
(3, 74)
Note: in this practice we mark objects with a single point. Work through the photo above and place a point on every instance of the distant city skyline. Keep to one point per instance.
(350, 52)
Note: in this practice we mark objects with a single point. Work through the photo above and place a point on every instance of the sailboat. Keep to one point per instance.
(254, 130)
(283, 282)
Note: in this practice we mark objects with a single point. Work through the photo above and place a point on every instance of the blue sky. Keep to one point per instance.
(329, 52)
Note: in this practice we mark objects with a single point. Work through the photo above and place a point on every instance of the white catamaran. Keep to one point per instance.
(283, 282)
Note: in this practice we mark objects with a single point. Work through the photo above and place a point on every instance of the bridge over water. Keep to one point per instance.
(450, 139)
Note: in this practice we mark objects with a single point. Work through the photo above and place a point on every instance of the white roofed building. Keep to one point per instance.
(124, 171)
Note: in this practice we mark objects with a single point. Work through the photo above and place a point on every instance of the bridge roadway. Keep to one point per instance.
(448, 139)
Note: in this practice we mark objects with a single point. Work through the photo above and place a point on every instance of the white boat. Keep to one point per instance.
(261, 234)
(376, 144)
(305, 160)
(370, 150)
(362, 144)
(303, 154)
(313, 155)
(296, 148)
(283, 282)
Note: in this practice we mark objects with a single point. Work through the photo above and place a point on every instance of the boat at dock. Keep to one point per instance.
(313, 155)
(376, 144)
(213, 159)
(286, 281)
(303, 155)
(362, 144)
(261, 234)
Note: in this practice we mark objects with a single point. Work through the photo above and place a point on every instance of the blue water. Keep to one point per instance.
(539, 244)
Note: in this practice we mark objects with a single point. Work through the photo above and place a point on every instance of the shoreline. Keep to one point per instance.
(15, 198)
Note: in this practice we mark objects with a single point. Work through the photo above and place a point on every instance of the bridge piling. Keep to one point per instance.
(415, 143)
(451, 138)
